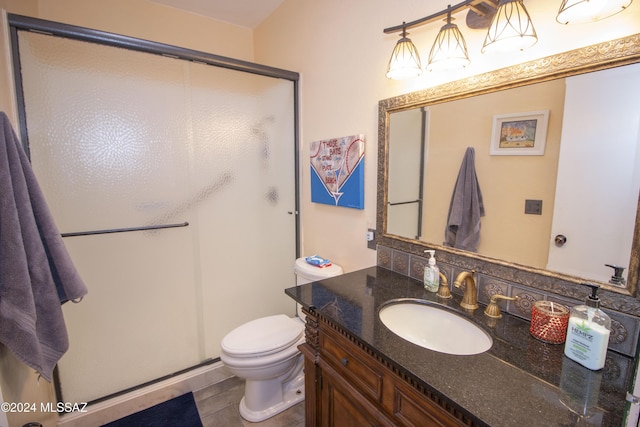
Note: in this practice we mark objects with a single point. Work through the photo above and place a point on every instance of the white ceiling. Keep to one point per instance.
(245, 13)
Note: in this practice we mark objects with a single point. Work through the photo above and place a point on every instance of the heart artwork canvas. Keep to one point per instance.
(337, 171)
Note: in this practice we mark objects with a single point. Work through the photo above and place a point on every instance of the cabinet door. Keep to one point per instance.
(410, 408)
(342, 406)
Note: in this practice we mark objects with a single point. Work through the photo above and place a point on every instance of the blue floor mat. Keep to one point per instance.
(180, 411)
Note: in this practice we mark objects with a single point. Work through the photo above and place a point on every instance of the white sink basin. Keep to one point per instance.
(433, 327)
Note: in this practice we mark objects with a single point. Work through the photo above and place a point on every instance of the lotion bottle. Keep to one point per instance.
(432, 273)
(588, 333)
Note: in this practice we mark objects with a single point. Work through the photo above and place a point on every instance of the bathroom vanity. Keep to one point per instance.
(358, 372)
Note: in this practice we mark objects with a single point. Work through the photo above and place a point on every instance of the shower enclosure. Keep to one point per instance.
(172, 175)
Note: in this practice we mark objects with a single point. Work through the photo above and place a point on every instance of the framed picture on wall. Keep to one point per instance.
(337, 171)
(519, 134)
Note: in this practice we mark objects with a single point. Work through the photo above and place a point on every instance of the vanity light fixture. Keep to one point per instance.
(405, 59)
(449, 51)
(511, 28)
(581, 11)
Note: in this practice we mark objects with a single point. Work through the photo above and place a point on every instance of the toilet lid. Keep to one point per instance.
(316, 273)
(262, 336)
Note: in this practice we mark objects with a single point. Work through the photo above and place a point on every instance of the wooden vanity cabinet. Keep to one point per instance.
(346, 384)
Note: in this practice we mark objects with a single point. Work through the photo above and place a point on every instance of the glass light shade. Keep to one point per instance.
(449, 51)
(581, 11)
(511, 28)
(405, 60)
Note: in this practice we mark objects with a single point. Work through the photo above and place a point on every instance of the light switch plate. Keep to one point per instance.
(533, 207)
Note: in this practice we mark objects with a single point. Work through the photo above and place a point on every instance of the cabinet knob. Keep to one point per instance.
(344, 361)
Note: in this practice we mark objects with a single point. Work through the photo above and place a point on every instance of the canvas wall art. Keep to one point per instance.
(337, 171)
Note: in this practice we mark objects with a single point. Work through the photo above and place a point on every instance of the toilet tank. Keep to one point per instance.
(307, 273)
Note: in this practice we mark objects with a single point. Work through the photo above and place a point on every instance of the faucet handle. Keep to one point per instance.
(493, 310)
(443, 290)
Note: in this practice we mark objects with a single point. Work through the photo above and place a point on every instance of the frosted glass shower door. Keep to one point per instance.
(242, 129)
(122, 139)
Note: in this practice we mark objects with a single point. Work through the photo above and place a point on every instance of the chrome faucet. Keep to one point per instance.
(470, 297)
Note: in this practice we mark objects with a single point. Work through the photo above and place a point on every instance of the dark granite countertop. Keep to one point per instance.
(520, 381)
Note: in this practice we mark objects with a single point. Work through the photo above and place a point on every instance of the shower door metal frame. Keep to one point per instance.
(26, 23)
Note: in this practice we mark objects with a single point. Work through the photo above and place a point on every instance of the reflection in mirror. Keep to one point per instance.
(582, 189)
(505, 181)
(596, 185)
(406, 172)
(598, 175)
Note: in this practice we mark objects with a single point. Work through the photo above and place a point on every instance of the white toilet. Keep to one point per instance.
(265, 353)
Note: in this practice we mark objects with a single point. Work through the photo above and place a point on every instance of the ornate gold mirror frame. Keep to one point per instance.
(610, 54)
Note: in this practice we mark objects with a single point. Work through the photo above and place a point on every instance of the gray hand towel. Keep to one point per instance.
(466, 207)
(36, 272)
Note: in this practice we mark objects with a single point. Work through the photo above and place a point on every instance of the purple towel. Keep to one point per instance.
(36, 272)
(466, 208)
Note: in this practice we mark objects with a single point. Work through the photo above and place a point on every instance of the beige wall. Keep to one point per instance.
(7, 95)
(151, 21)
(341, 52)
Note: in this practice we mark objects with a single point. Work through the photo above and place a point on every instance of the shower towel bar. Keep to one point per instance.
(404, 203)
(124, 230)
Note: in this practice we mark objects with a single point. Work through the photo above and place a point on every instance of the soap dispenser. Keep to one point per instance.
(431, 273)
(588, 332)
(617, 278)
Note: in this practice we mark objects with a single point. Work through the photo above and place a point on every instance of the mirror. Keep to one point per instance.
(423, 137)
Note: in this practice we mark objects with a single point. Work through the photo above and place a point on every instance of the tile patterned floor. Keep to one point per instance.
(218, 407)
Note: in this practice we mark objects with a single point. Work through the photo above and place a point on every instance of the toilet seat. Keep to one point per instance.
(264, 336)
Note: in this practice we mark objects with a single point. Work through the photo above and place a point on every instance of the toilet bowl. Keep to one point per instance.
(264, 352)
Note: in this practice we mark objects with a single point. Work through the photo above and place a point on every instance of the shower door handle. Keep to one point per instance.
(124, 230)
